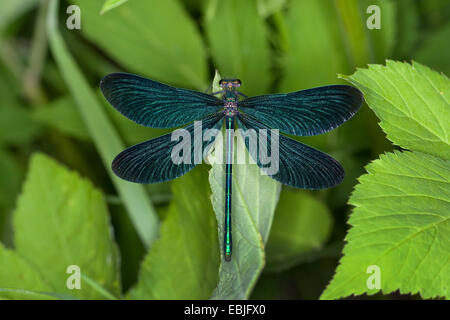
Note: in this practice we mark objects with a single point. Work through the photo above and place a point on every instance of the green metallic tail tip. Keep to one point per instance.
(228, 257)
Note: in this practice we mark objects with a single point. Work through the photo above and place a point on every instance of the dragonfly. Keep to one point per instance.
(301, 113)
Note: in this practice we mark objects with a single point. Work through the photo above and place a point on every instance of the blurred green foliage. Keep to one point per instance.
(51, 105)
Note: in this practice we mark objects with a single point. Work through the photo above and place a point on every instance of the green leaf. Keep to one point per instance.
(131, 132)
(151, 38)
(269, 7)
(430, 53)
(111, 4)
(434, 13)
(63, 115)
(12, 9)
(10, 178)
(412, 102)
(407, 32)
(340, 40)
(17, 275)
(239, 49)
(401, 220)
(10, 89)
(106, 139)
(302, 224)
(183, 263)
(365, 45)
(380, 42)
(21, 294)
(316, 56)
(254, 199)
(17, 126)
(69, 217)
(401, 224)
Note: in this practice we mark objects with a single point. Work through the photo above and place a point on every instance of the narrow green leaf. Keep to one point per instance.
(95, 286)
(70, 219)
(301, 225)
(23, 294)
(412, 102)
(103, 133)
(239, 49)
(254, 199)
(12, 9)
(400, 225)
(183, 263)
(111, 4)
(151, 38)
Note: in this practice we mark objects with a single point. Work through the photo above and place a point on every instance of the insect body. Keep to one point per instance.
(230, 110)
(301, 113)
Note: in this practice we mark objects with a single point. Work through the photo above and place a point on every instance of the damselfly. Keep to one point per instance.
(301, 113)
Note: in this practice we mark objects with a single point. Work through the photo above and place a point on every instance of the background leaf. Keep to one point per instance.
(340, 40)
(408, 26)
(63, 115)
(17, 273)
(175, 55)
(430, 53)
(401, 220)
(400, 223)
(107, 141)
(412, 102)
(308, 53)
(111, 4)
(268, 7)
(238, 39)
(10, 179)
(301, 225)
(51, 105)
(54, 207)
(254, 199)
(183, 263)
(11, 9)
(16, 125)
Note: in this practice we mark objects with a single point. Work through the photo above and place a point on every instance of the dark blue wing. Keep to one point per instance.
(306, 112)
(156, 105)
(152, 161)
(299, 166)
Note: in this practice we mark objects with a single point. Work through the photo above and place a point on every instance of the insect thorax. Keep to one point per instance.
(230, 99)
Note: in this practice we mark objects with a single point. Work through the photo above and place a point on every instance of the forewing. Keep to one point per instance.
(306, 112)
(299, 165)
(152, 161)
(156, 105)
